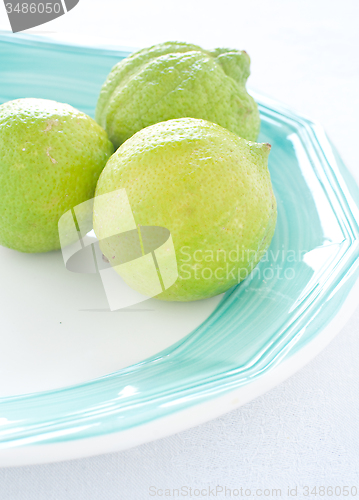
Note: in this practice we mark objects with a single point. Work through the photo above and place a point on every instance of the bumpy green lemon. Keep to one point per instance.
(211, 189)
(175, 80)
(51, 156)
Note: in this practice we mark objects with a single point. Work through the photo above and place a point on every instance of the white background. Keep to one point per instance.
(306, 431)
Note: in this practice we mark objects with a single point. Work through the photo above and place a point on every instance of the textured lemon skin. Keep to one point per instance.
(209, 187)
(175, 80)
(51, 158)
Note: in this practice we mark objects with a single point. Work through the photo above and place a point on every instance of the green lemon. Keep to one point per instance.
(211, 189)
(51, 156)
(175, 80)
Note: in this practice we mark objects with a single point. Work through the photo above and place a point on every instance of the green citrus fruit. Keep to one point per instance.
(175, 80)
(51, 156)
(211, 189)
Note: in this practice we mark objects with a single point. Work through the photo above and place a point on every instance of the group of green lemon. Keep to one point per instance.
(174, 125)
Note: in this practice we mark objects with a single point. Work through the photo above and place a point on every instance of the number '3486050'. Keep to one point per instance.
(34, 8)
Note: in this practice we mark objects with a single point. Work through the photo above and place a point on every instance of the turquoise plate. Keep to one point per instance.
(259, 333)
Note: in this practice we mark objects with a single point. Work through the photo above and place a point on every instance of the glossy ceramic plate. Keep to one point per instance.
(77, 379)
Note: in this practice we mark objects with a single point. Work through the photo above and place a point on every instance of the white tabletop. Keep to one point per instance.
(304, 432)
